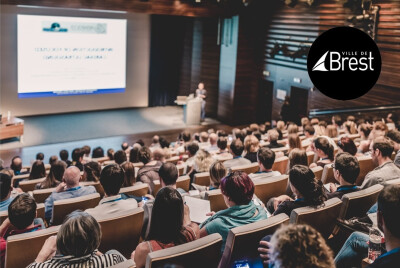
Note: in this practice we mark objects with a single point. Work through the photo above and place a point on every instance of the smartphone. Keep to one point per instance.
(144, 199)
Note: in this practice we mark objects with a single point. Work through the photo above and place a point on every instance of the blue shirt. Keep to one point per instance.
(4, 204)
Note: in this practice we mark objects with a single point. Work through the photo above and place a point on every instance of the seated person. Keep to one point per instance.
(54, 178)
(394, 136)
(238, 190)
(308, 191)
(21, 217)
(324, 150)
(129, 174)
(38, 170)
(112, 178)
(273, 136)
(251, 146)
(120, 157)
(202, 163)
(297, 157)
(5, 191)
(217, 172)
(265, 158)
(77, 158)
(91, 171)
(213, 148)
(149, 172)
(64, 157)
(236, 149)
(16, 166)
(346, 170)
(69, 188)
(170, 225)
(191, 150)
(76, 245)
(222, 153)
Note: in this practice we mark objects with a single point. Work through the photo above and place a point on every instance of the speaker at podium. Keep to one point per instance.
(191, 109)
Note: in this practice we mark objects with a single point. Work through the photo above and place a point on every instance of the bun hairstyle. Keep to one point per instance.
(303, 179)
(324, 145)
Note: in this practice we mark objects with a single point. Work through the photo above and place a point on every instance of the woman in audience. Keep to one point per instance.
(364, 130)
(54, 177)
(297, 157)
(251, 146)
(308, 191)
(217, 172)
(350, 127)
(293, 129)
(294, 142)
(37, 171)
(91, 171)
(97, 152)
(129, 174)
(202, 163)
(331, 131)
(110, 154)
(238, 190)
(149, 172)
(76, 245)
(170, 225)
(134, 154)
(347, 145)
(324, 150)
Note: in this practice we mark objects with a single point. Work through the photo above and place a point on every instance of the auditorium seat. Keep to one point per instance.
(202, 178)
(18, 178)
(42, 194)
(310, 157)
(394, 182)
(173, 160)
(126, 264)
(181, 169)
(203, 252)
(101, 160)
(39, 213)
(224, 158)
(183, 182)
(216, 199)
(108, 162)
(29, 185)
(242, 242)
(249, 168)
(281, 164)
(62, 208)
(121, 231)
(140, 189)
(366, 165)
(323, 219)
(264, 189)
(281, 149)
(96, 185)
(327, 174)
(317, 172)
(22, 249)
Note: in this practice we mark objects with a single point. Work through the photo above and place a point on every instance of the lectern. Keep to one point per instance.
(191, 109)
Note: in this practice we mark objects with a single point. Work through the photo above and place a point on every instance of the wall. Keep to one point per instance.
(138, 54)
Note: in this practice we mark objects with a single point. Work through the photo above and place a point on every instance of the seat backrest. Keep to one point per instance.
(249, 168)
(62, 208)
(183, 182)
(202, 178)
(395, 181)
(139, 190)
(281, 164)
(356, 204)
(101, 159)
(323, 219)
(366, 165)
(327, 174)
(121, 231)
(317, 172)
(216, 199)
(22, 249)
(173, 159)
(224, 158)
(42, 194)
(18, 177)
(181, 169)
(29, 185)
(39, 212)
(96, 185)
(310, 157)
(203, 252)
(270, 187)
(126, 264)
(242, 242)
(157, 187)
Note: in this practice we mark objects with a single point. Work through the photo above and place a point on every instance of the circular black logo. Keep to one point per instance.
(344, 63)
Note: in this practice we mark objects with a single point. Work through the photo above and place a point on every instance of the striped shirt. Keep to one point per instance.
(88, 261)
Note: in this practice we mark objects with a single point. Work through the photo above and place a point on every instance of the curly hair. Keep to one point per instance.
(300, 246)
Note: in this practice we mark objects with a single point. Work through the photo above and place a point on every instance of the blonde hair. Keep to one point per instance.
(251, 144)
(280, 125)
(294, 141)
(331, 131)
(217, 172)
(293, 129)
(203, 161)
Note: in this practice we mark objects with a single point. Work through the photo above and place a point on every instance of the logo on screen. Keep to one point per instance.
(55, 27)
(344, 63)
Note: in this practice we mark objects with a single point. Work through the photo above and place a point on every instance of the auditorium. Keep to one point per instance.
(272, 126)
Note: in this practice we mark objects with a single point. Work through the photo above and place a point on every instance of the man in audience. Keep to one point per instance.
(40, 156)
(309, 132)
(185, 140)
(394, 136)
(5, 191)
(120, 157)
(86, 154)
(204, 140)
(213, 148)
(159, 155)
(69, 188)
(155, 144)
(16, 166)
(125, 147)
(346, 170)
(222, 152)
(53, 159)
(112, 178)
(64, 157)
(273, 139)
(265, 158)
(77, 158)
(381, 150)
(149, 172)
(236, 149)
(191, 150)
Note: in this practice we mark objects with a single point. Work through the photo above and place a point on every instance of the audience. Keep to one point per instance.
(64, 157)
(5, 191)
(324, 150)
(98, 152)
(40, 156)
(236, 149)
(265, 159)
(37, 171)
(54, 178)
(91, 171)
(134, 153)
(77, 158)
(149, 172)
(120, 157)
(251, 146)
(86, 154)
(156, 143)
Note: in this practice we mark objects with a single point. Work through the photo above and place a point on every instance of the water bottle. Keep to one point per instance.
(375, 244)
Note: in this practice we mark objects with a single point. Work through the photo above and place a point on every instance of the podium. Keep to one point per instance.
(191, 109)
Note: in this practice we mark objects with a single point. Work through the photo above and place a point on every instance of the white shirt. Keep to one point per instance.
(112, 205)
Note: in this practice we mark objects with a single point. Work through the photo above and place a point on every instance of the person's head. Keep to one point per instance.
(273, 135)
(98, 152)
(294, 141)
(347, 145)
(167, 217)
(40, 156)
(64, 155)
(55, 175)
(314, 121)
(77, 155)
(381, 150)
(309, 131)
(331, 131)
(337, 120)
(112, 178)
(53, 159)
(379, 125)
(186, 136)
(203, 136)
(159, 154)
(323, 148)
(265, 158)
(388, 211)
(237, 134)
(155, 139)
(364, 130)
(79, 235)
(5, 186)
(304, 121)
(202, 161)
(91, 171)
(222, 143)
(346, 167)
(304, 184)
(38, 170)
(254, 127)
(251, 144)
(22, 211)
(134, 154)
(394, 136)
(237, 147)
(168, 174)
(297, 157)
(192, 149)
(86, 150)
(392, 118)
(237, 189)
(201, 85)
(144, 155)
(110, 154)
(124, 146)
(293, 129)
(120, 157)
(280, 125)
(129, 174)
(296, 245)
(213, 138)
(351, 127)
(351, 118)
(72, 176)
(217, 172)
(16, 164)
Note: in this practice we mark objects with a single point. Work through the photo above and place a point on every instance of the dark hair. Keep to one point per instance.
(98, 152)
(389, 206)
(166, 223)
(120, 157)
(324, 145)
(38, 170)
(338, 120)
(237, 147)
(134, 155)
(129, 174)
(64, 155)
(348, 167)
(124, 146)
(303, 179)
(394, 135)
(366, 129)
(347, 145)
(186, 136)
(140, 141)
(192, 148)
(144, 155)
(92, 171)
(77, 153)
(55, 175)
(110, 154)
(266, 156)
(112, 178)
(14, 166)
(257, 134)
(86, 149)
(164, 143)
(384, 145)
(168, 173)
(297, 157)
(238, 187)
(40, 156)
(22, 211)
(5, 185)
(238, 134)
(222, 143)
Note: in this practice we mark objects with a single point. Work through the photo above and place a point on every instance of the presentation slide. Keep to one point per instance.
(60, 56)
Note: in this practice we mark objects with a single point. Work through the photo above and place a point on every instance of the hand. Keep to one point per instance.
(212, 213)
(280, 199)
(149, 196)
(61, 187)
(264, 251)
(332, 187)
